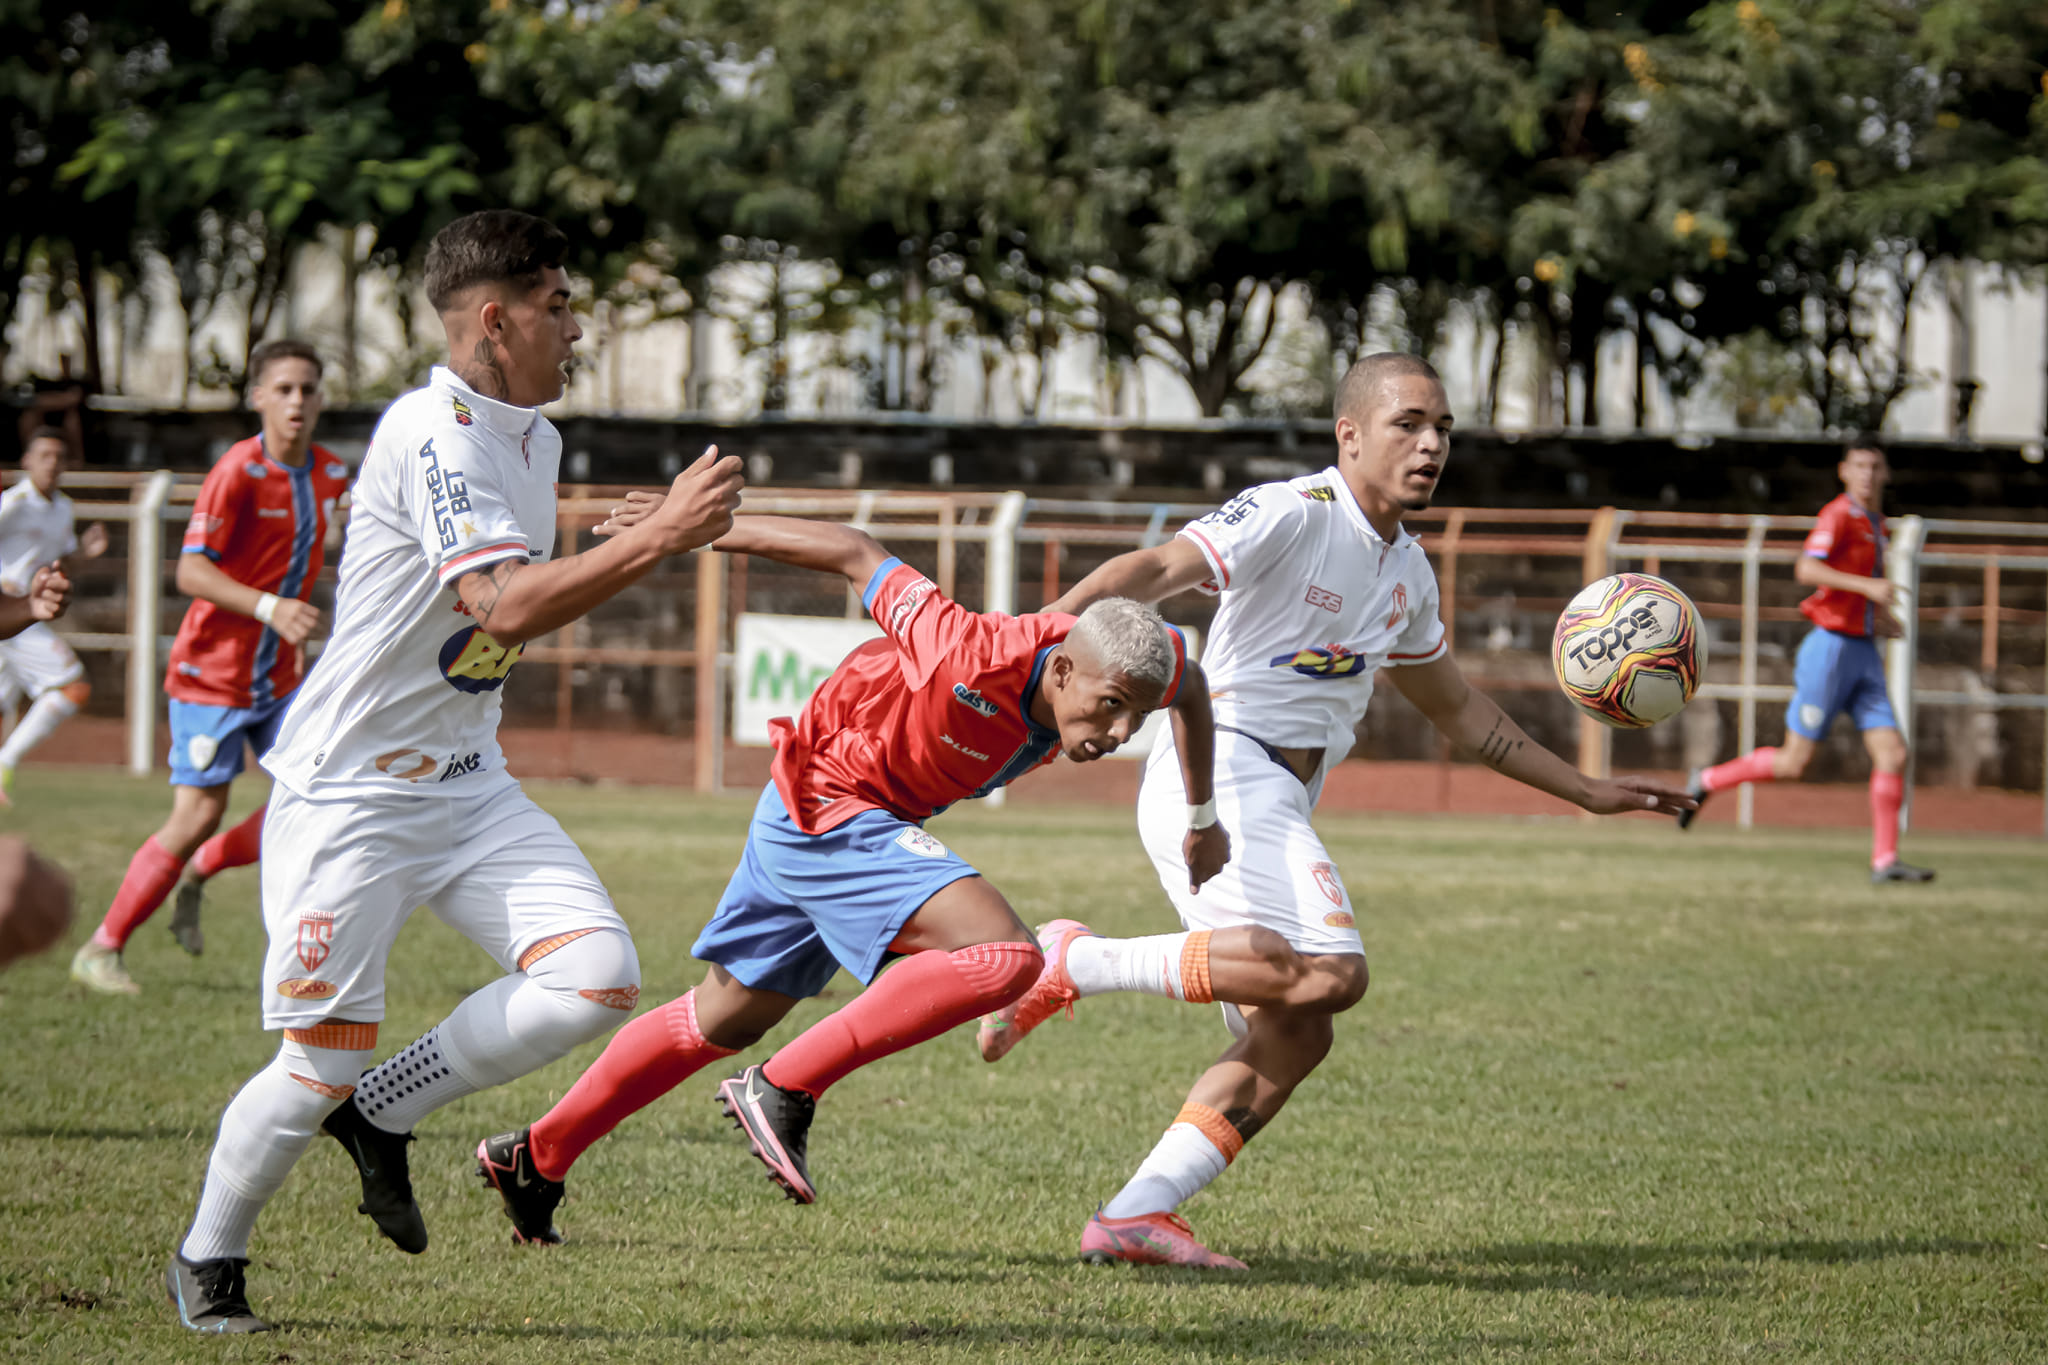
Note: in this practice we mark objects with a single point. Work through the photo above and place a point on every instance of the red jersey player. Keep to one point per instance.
(1838, 668)
(838, 870)
(252, 552)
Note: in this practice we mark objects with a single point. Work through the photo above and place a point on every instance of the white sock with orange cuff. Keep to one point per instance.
(1196, 1149)
(1172, 965)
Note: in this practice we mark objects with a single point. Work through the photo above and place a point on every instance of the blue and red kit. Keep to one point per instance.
(837, 859)
(1850, 538)
(265, 525)
(1838, 668)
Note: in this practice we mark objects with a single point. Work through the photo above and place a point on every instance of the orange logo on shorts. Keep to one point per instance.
(1328, 881)
(1339, 919)
(316, 938)
(618, 997)
(305, 988)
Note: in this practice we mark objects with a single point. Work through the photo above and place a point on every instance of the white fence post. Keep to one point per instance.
(1745, 709)
(1902, 568)
(145, 594)
(999, 571)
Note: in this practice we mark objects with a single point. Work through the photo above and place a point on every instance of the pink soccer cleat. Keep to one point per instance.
(1053, 990)
(1150, 1239)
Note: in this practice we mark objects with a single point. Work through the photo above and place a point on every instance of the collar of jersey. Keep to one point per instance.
(499, 416)
(1349, 502)
(1031, 692)
(298, 471)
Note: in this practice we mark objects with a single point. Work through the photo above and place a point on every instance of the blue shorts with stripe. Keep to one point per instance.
(206, 741)
(1836, 673)
(801, 906)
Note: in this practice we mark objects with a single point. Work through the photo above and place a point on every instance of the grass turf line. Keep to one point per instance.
(1615, 1094)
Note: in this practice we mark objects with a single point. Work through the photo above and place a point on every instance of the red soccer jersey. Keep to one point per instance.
(936, 710)
(1849, 538)
(265, 524)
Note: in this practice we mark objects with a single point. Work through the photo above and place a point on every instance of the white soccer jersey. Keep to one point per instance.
(1314, 604)
(33, 531)
(405, 698)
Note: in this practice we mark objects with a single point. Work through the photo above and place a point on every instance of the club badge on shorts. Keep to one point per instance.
(920, 843)
(316, 938)
(1328, 882)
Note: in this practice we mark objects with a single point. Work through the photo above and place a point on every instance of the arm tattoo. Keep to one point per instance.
(1496, 747)
(490, 589)
(483, 373)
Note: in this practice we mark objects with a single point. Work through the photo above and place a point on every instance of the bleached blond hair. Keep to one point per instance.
(1125, 637)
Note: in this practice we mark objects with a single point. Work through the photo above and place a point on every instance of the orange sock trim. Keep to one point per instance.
(340, 1037)
(548, 945)
(1194, 970)
(332, 1092)
(1214, 1127)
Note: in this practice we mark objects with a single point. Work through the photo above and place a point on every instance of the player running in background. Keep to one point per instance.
(252, 552)
(36, 531)
(1321, 588)
(391, 790)
(838, 871)
(35, 895)
(1839, 668)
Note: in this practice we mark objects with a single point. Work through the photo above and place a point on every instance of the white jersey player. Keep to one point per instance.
(1321, 590)
(391, 791)
(36, 531)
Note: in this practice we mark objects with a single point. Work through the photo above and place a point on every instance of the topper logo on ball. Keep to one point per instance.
(1615, 640)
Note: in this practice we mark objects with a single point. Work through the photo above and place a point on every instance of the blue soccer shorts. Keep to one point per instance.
(206, 741)
(801, 906)
(1837, 673)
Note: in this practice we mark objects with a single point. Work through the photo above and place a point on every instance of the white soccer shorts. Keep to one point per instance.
(340, 879)
(36, 661)
(1279, 874)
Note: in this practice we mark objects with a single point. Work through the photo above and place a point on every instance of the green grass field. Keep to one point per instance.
(1616, 1094)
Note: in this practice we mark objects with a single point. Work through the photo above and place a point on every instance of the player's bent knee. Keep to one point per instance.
(77, 693)
(999, 972)
(1338, 982)
(327, 1073)
(594, 976)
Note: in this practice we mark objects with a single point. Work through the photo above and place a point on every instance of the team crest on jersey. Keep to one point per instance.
(256, 471)
(316, 938)
(1321, 661)
(474, 662)
(1330, 884)
(463, 416)
(336, 470)
(1400, 605)
(923, 845)
(1320, 493)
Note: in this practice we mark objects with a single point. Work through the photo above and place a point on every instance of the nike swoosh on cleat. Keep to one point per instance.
(754, 1090)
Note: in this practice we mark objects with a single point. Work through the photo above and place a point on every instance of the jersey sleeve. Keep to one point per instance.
(1423, 639)
(926, 627)
(1826, 532)
(1180, 665)
(460, 512)
(215, 510)
(1246, 535)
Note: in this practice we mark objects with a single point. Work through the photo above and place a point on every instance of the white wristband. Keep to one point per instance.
(266, 607)
(1202, 816)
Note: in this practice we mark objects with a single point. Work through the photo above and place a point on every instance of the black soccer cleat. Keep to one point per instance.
(185, 916)
(777, 1123)
(1697, 793)
(211, 1296)
(387, 1183)
(506, 1164)
(1900, 872)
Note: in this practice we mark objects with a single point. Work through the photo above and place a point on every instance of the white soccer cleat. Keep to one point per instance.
(101, 969)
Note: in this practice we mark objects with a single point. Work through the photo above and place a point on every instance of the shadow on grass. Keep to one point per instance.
(1606, 1269)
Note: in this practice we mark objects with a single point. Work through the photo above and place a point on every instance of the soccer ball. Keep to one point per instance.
(1629, 650)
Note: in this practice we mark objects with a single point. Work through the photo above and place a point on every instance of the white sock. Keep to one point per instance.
(264, 1131)
(515, 1025)
(1155, 965)
(51, 710)
(1183, 1162)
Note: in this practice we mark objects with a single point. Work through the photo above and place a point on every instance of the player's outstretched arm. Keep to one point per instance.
(516, 601)
(1473, 720)
(1814, 572)
(49, 593)
(1206, 849)
(826, 546)
(1148, 575)
(200, 577)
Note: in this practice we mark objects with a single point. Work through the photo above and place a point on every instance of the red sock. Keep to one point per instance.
(1887, 794)
(645, 1060)
(1754, 766)
(920, 997)
(152, 872)
(237, 847)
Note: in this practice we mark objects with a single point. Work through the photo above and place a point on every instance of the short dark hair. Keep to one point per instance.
(1359, 382)
(284, 348)
(1858, 441)
(47, 433)
(495, 246)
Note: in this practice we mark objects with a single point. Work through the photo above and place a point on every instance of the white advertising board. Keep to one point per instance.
(778, 661)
